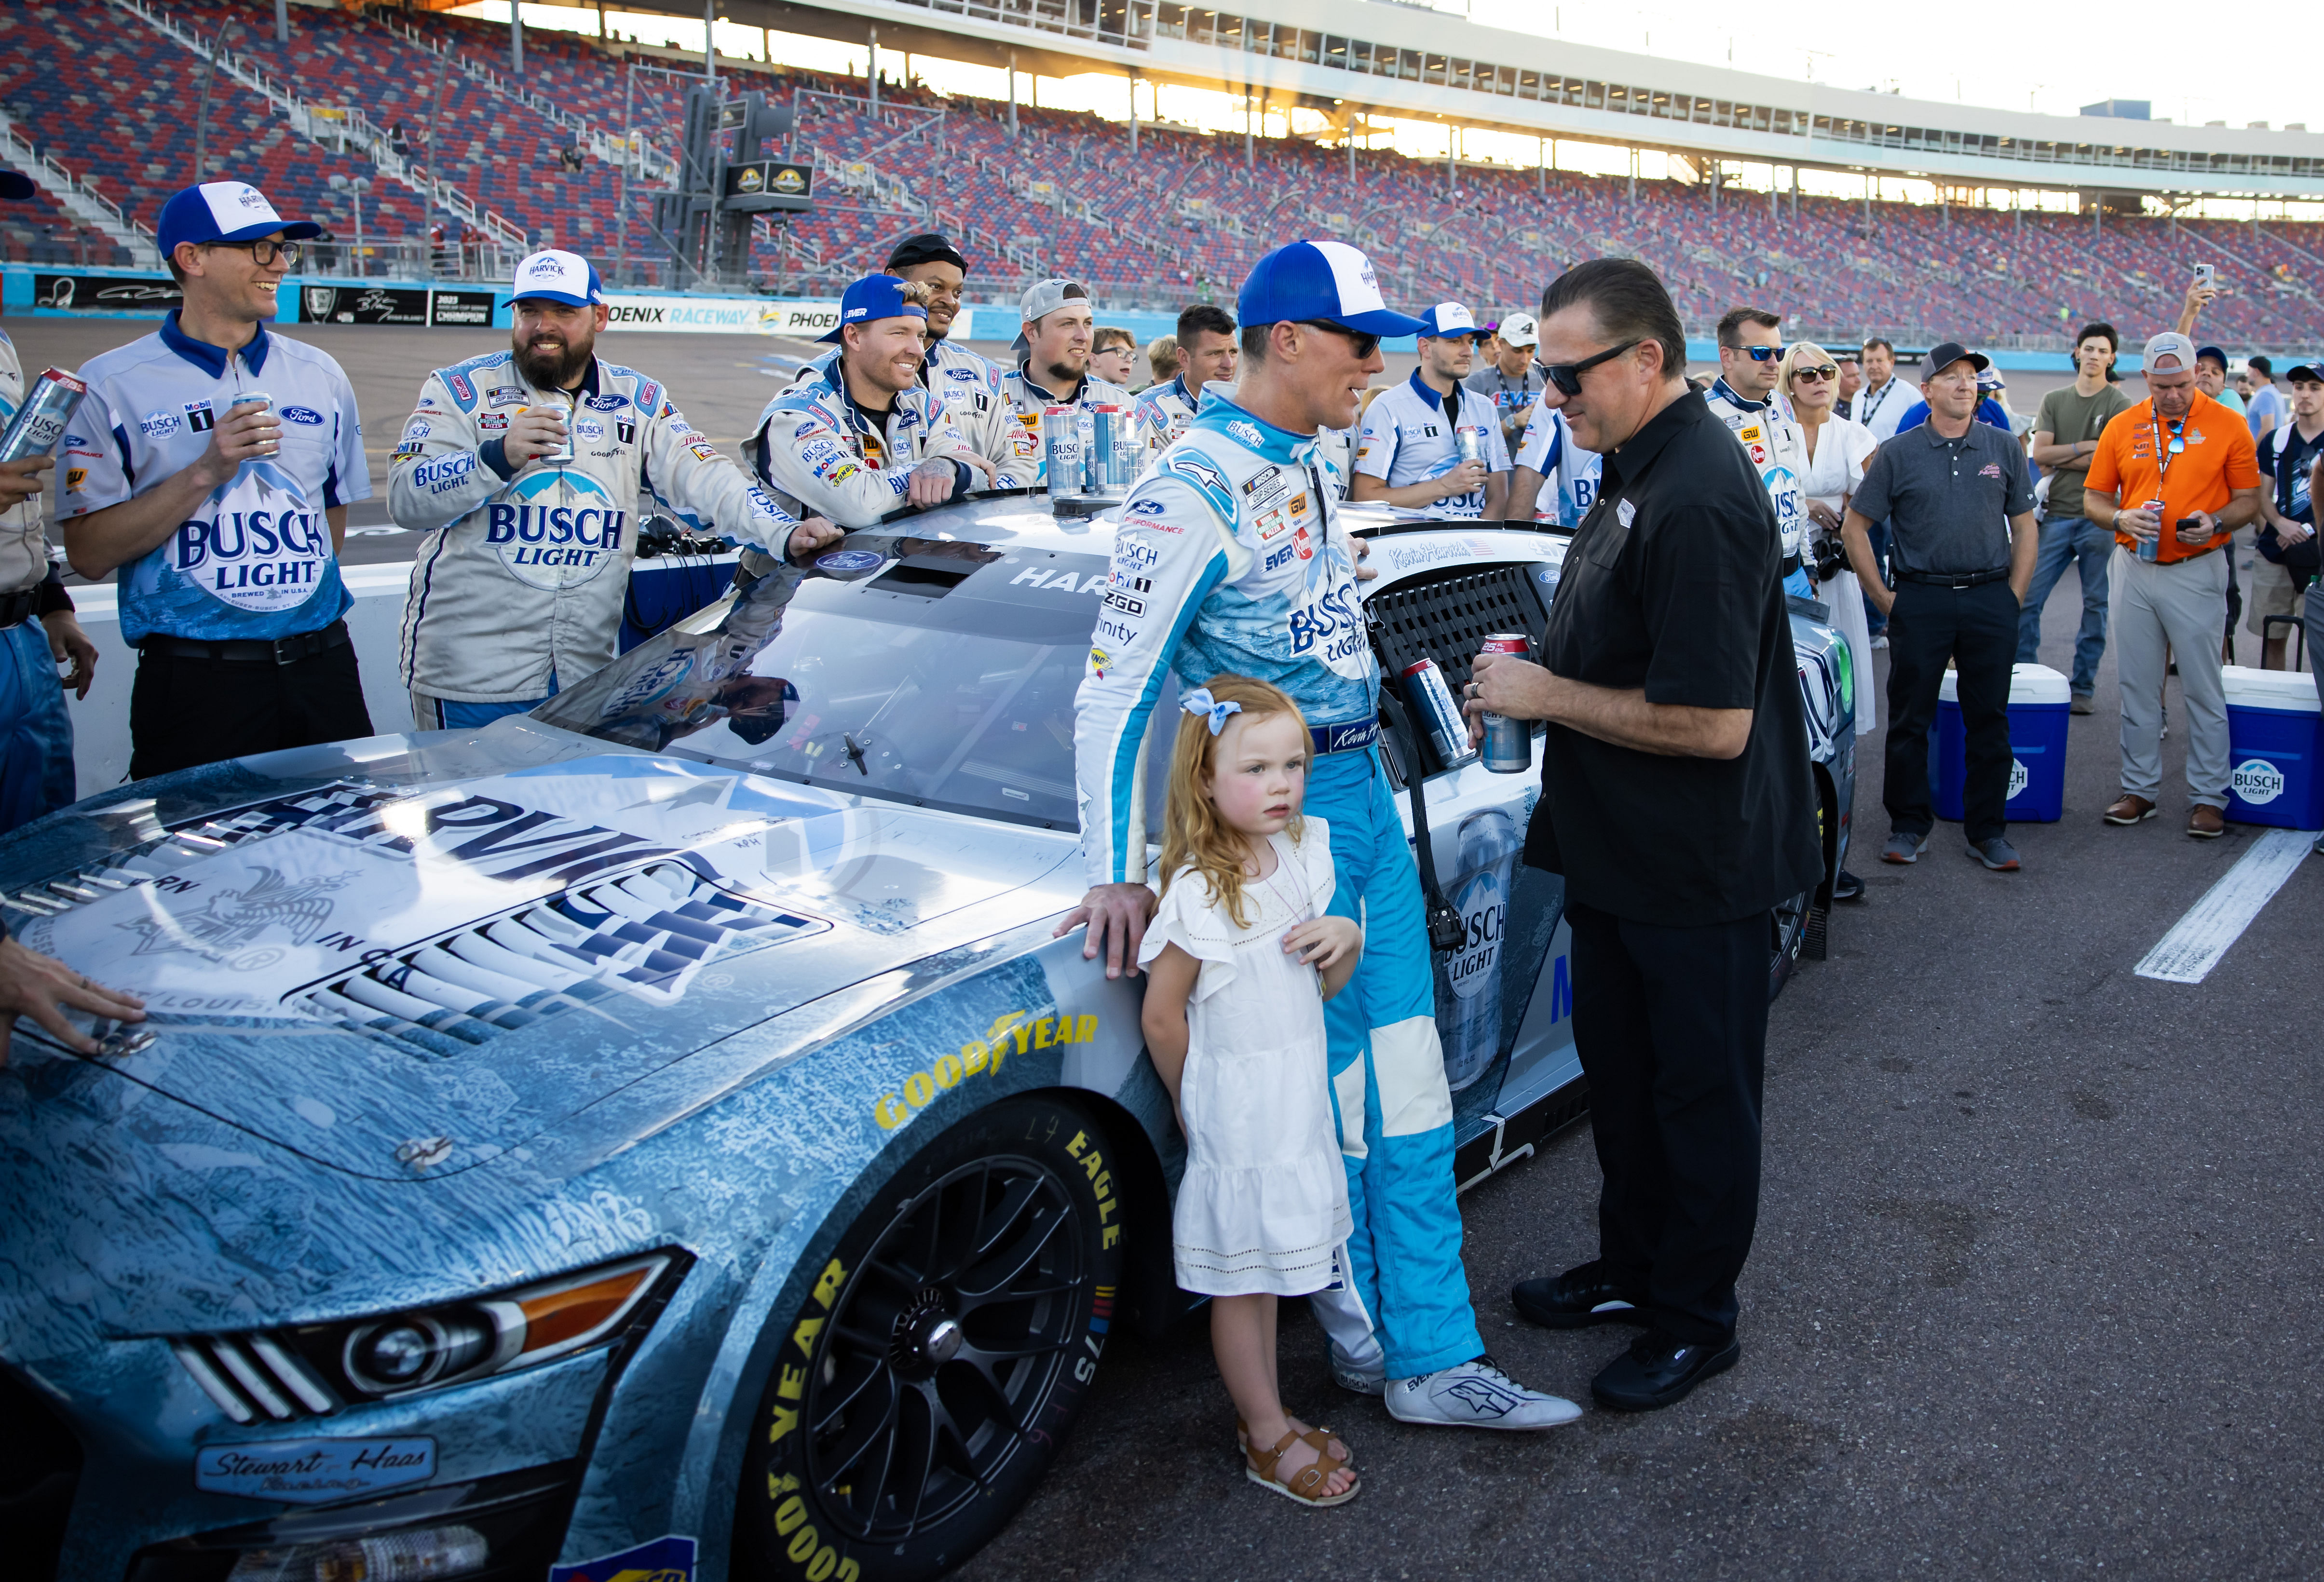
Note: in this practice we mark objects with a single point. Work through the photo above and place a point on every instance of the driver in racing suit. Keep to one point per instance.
(517, 589)
(1053, 371)
(1231, 558)
(1743, 397)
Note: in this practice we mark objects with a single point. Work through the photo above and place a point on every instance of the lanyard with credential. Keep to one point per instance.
(2161, 457)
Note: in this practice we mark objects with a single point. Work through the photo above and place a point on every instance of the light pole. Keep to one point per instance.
(355, 188)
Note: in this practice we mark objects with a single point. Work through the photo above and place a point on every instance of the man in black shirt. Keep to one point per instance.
(1962, 545)
(1675, 800)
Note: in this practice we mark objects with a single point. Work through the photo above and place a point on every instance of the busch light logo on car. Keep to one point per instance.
(556, 529)
(1471, 1027)
(262, 548)
(2256, 781)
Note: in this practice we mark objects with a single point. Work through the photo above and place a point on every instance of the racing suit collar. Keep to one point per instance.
(1426, 394)
(212, 359)
(1178, 383)
(1073, 398)
(1725, 392)
(1276, 445)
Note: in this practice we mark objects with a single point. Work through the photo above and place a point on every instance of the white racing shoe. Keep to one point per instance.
(1476, 1395)
(1366, 1373)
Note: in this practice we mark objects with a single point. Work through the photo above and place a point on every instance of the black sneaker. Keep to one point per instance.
(1660, 1370)
(1576, 1300)
(1847, 888)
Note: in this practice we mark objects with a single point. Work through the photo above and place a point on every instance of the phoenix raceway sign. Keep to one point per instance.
(750, 316)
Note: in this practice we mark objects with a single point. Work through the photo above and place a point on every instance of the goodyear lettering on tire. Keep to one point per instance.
(797, 1538)
(1015, 1034)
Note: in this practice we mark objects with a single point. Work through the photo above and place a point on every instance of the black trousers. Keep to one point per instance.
(187, 711)
(1976, 629)
(1672, 1027)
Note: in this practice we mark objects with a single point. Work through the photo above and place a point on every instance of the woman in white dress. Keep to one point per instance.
(1837, 450)
(1241, 956)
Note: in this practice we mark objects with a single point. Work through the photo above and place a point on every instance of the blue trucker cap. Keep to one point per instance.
(225, 211)
(1450, 320)
(873, 297)
(557, 276)
(1326, 280)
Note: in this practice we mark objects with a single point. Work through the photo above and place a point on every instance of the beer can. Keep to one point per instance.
(1509, 743)
(48, 405)
(262, 400)
(1061, 450)
(1464, 439)
(1093, 478)
(1431, 697)
(2151, 549)
(1104, 432)
(562, 453)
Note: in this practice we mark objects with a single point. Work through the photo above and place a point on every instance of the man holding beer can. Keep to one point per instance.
(214, 462)
(1430, 446)
(1053, 375)
(517, 589)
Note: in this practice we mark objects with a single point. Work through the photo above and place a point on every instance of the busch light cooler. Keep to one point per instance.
(41, 421)
(1439, 715)
(1479, 893)
(1061, 449)
(1509, 743)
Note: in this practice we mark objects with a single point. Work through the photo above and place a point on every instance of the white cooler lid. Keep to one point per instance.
(2294, 690)
(2033, 683)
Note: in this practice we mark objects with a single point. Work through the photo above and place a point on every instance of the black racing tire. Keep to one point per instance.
(928, 1373)
(1787, 928)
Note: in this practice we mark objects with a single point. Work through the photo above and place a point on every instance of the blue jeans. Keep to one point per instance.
(2065, 540)
(36, 735)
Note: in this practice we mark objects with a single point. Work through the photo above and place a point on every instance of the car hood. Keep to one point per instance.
(410, 967)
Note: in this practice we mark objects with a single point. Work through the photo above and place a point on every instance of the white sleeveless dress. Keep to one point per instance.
(1265, 1199)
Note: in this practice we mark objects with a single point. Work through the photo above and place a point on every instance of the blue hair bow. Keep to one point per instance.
(1201, 701)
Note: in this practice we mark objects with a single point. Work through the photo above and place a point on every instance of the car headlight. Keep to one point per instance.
(315, 1369)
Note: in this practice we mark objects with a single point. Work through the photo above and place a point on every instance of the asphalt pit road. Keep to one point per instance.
(1765, 1435)
(1950, 1230)
(1893, 1064)
(2090, 1107)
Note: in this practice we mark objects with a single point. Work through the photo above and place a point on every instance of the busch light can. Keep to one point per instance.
(1092, 471)
(1105, 429)
(2151, 549)
(263, 401)
(41, 421)
(1431, 698)
(1509, 743)
(1061, 449)
(1464, 440)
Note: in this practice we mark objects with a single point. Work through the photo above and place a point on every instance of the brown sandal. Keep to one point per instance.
(1306, 1485)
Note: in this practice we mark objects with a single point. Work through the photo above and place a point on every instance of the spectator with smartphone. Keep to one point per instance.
(2286, 540)
(2066, 432)
(2174, 477)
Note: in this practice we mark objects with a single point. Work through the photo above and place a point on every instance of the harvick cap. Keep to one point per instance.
(2168, 344)
(928, 247)
(1989, 378)
(1945, 354)
(225, 211)
(15, 187)
(558, 276)
(1450, 320)
(1043, 297)
(871, 298)
(1329, 282)
(1518, 330)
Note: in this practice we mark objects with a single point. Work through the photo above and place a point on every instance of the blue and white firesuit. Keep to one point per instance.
(1230, 558)
(1778, 449)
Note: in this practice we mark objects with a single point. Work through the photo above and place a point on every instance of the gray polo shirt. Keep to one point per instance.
(1948, 502)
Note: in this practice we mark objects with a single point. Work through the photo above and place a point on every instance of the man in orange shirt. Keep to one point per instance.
(2172, 476)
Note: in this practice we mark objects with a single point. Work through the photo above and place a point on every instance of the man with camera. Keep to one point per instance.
(2173, 476)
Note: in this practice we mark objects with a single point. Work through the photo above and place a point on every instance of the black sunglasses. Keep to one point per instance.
(1821, 370)
(1358, 341)
(1567, 376)
(263, 252)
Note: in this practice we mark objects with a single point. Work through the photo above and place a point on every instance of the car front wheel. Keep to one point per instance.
(927, 1377)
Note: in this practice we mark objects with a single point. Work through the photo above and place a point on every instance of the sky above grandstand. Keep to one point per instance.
(2051, 61)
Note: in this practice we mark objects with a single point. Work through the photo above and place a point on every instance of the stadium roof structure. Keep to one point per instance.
(1351, 58)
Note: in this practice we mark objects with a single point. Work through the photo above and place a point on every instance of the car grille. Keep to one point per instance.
(255, 1377)
(1448, 617)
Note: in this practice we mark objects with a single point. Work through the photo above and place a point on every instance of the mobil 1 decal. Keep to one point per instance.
(556, 529)
(260, 544)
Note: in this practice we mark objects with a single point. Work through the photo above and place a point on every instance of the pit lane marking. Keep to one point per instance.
(2198, 940)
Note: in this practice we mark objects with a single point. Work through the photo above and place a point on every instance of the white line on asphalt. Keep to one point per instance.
(2198, 940)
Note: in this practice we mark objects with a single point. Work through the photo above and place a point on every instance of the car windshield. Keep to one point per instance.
(932, 672)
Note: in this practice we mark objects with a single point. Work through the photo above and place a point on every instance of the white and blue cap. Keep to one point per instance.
(1329, 282)
(873, 297)
(223, 211)
(557, 276)
(1450, 321)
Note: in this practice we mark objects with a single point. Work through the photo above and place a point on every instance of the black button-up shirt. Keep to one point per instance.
(1948, 502)
(1672, 585)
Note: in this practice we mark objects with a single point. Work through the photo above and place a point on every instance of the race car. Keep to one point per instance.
(659, 1136)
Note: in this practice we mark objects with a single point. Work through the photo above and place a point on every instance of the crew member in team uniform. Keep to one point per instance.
(37, 624)
(1053, 351)
(968, 384)
(1743, 397)
(1408, 452)
(517, 589)
(226, 513)
(861, 438)
(1231, 557)
(1207, 355)
(1510, 379)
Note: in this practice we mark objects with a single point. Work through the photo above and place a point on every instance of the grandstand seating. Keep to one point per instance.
(109, 97)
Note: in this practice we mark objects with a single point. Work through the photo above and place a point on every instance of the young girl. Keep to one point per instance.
(1240, 958)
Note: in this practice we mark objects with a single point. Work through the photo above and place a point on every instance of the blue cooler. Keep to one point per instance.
(2038, 707)
(2275, 734)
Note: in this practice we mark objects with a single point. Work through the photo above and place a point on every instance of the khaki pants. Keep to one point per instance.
(2175, 611)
